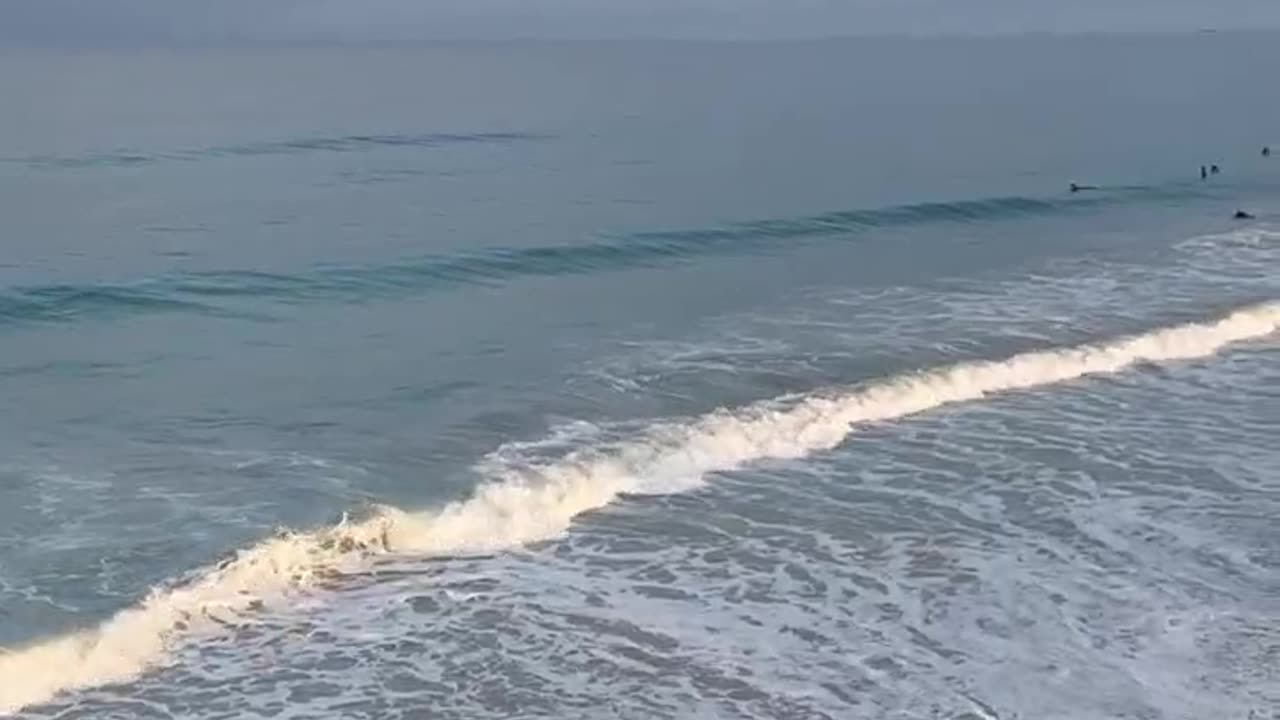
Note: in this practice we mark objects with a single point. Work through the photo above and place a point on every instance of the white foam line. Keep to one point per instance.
(523, 503)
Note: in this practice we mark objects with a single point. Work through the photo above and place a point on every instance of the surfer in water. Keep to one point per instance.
(1242, 215)
(1204, 173)
(1213, 170)
(1078, 188)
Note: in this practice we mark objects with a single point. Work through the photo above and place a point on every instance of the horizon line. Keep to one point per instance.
(239, 42)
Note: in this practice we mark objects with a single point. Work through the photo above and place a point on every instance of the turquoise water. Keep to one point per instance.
(619, 381)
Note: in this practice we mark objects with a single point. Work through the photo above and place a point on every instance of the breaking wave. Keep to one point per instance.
(521, 502)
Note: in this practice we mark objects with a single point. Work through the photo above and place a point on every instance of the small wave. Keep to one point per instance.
(52, 302)
(200, 291)
(847, 222)
(332, 144)
(64, 302)
(1256, 236)
(530, 500)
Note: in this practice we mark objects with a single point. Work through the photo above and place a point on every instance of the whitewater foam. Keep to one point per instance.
(537, 500)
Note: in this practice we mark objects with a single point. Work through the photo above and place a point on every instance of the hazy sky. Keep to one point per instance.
(127, 22)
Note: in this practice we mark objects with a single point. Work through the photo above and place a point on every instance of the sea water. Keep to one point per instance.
(642, 380)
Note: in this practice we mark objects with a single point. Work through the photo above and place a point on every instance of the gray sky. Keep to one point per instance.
(130, 22)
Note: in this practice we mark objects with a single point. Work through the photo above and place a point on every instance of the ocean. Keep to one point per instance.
(642, 380)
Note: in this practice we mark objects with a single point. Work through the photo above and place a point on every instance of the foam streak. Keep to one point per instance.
(527, 502)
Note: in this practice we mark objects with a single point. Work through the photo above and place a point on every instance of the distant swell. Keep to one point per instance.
(204, 291)
(528, 501)
(331, 144)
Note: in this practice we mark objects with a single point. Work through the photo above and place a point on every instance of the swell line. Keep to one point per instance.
(295, 146)
(202, 292)
(521, 502)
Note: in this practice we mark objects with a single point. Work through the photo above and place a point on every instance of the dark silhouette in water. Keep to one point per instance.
(1242, 215)
(1266, 151)
(1078, 188)
(1204, 173)
(1213, 170)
